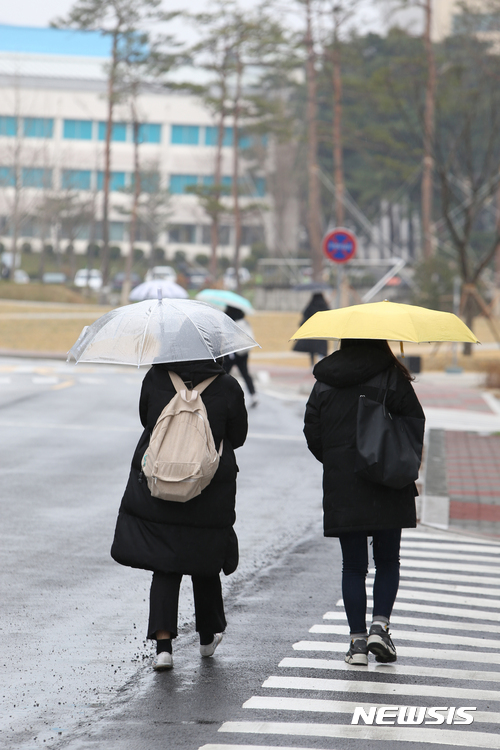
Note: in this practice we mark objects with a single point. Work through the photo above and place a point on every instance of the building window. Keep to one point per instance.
(180, 182)
(244, 141)
(116, 231)
(149, 133)
(8, 126)
(38, 127)
(185, 135)
(7, 177)
(182, 233)
(252, 235)
(150, 182)
(78, 129)
(223, 235)
(75, 179)
(259, 187)
(212, 135)
(118, 131)
(36, 177)
(116, 180)
(226, 181)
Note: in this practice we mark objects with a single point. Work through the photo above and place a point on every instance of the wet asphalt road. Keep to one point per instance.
(73, 622)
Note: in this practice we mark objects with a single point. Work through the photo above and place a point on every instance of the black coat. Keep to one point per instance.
(316, 304)
(196, 537)
(351, 503)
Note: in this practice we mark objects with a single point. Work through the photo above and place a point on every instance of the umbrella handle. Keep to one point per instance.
(160, 297)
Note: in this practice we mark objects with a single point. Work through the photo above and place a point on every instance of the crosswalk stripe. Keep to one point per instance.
(461, 738)
(297, 662)
(320, 705)
(431, 585)
(406, 635)
(443, 575)
(440, 546)
(466, 601)
(432, 555)
(408, 651)
(420, 622)
(407, 562)
(447, 537)
(471, 614)
(379, 688)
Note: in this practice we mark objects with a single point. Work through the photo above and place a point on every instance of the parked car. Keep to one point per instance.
(53, 277)
(167, 273)
(21, 277)
(88, 277)
(195, 277)
(119, 278)
(230, 277)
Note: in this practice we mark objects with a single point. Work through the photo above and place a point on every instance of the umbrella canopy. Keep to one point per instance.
(385, 320)
(223, 298)
(149, 290)
(156, 331)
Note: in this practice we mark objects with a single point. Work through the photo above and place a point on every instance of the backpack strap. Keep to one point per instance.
(180, 386)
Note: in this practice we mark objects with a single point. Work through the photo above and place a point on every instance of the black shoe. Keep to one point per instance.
(358, 653)
(380, 644)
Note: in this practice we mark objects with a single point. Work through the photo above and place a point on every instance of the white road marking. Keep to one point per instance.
(273, 436)
(212, 746)
(319, 705)
(418, 735)
(44, 380)
(452, 565)
(431, 555)
(467, 547)
(420, 622)
(483, 590)
(447, 537)
(380, 688)
(466, 601)
(406, 635)
(55, 426)
(443, 575)
(5, 381)
(297, 662)
(408, 651)
(470, 614)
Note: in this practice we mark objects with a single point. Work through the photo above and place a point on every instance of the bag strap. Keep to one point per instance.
(180, 386)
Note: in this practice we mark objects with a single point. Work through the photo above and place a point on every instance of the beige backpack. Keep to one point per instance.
(181, 458)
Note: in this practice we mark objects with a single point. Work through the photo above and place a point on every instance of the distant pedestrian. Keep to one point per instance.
(240, 359)
(355, 508)
(317, 303)
(193, 538)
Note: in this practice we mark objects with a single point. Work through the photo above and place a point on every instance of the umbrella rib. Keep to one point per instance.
(145, 331)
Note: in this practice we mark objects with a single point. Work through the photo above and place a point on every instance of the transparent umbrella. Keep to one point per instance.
(149, 290)
(162, 330)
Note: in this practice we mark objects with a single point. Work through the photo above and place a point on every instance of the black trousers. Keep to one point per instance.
(241, 362)
(164, 604)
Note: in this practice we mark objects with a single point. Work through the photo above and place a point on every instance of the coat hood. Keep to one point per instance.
(351, 366)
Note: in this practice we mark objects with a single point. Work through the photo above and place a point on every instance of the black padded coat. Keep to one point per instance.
(196, 537)
(351, 503)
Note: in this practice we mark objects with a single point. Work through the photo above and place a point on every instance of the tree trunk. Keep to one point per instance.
(428, 161)
(127, 282)
(107, 164)
(236, 176)
(338, 167)
(214, 228)
(314, 212)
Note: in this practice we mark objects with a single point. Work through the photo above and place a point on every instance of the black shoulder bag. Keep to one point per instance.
(389, 446)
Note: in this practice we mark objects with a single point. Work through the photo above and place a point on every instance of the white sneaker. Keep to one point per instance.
(163, 661)
(210, 648)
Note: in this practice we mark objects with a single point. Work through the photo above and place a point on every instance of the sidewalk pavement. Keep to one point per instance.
(460, 477)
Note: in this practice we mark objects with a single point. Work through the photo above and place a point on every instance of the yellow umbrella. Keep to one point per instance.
(385, 320)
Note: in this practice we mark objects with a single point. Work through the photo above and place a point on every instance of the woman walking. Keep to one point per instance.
(317, 303)
(193, 538)
(355, 508)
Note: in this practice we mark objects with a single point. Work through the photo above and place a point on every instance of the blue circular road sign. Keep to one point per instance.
(339, 245)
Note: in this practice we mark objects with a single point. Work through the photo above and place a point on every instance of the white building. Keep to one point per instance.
(52, 128)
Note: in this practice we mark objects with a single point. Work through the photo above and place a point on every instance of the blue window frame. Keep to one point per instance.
(185, 135)
(208, 180)
(7, 177)
(78, 129)
(116, 180)
(211, 136)
(179, 182)
(150, 182)
(116, 231)
(76, 179)
(118, 131)
(38, 127)
(244, 141)
(149, 133)
(36, 177)
(8, 125)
